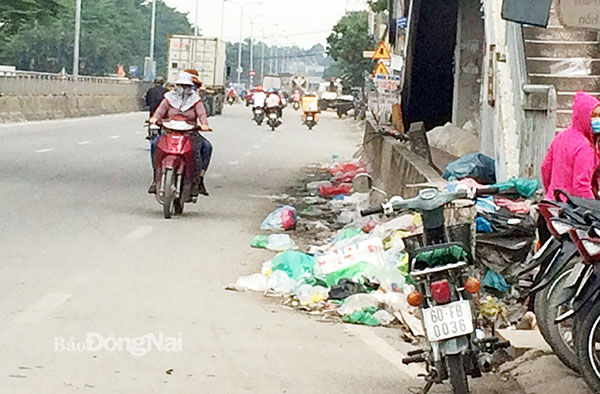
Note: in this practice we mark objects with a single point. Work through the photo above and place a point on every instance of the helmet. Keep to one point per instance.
(159, 81)
(272, 90)
(194, 75)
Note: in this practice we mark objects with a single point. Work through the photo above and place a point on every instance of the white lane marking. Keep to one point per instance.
(44, 150)
(139, 233)
(40, 309)
(256, 146)
(234, 163)
(83, 142)
(115, 137)
(214, 175)
(382, 348)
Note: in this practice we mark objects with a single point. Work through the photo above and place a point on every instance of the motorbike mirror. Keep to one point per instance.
(362, 183)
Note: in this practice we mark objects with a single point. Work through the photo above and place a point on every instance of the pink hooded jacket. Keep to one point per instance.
(571, 158)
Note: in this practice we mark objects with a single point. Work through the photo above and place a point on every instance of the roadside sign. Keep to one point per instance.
(239, 69)
(251, 73)
(368, 54)
(381, 69)
(382, 52)
(401, 23)
(580, 14)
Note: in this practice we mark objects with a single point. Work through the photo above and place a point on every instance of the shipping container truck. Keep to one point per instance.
(205, 55)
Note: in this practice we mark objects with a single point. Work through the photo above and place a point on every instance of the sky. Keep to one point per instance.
(300, 22)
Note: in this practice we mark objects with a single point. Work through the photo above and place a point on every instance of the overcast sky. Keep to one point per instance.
(301, 22)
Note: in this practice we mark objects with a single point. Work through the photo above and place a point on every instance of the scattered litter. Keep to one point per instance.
(357, 302)
(282, 218)
(254, 282)
(295, 264)
(495, 281)
(364, 316)
(384, 317)
(345, 288)
(477, 166)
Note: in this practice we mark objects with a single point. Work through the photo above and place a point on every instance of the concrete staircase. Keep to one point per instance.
(552, 52)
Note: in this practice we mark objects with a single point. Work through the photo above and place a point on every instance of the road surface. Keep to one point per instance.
(85, 252)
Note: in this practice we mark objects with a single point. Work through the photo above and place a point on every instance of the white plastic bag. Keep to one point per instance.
(254, 282)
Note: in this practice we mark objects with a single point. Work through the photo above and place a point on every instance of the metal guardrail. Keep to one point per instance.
(535, 107)
(38, 83)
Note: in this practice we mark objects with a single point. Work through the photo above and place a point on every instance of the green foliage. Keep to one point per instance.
(378, 5)
(17, 14)
(112, 32)
(346, 44)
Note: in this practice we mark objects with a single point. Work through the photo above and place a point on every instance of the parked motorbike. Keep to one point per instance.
(259, 115)
(444, 290)
(174, 167)
(343, 107)
(273, 119)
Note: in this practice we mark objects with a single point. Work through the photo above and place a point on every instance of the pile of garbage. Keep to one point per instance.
(331, 261)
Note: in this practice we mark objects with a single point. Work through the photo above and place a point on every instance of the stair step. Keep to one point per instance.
(558, 33)
(565, 100)
(568, 83)
(562, 49)
(549, 65)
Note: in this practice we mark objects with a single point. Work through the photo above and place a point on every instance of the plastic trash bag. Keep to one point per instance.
(525, 187)
(280, 282)
(483, 225)
(364, 316)
(384, 317)
(254, 282)
(495, 281)
(334, 190)
(295, 264)
(308, 295)
(282, 218)
(357, 302)
(478, 166)
(276, 242)
(345, 288)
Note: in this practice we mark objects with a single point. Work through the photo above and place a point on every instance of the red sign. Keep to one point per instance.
(251, 73)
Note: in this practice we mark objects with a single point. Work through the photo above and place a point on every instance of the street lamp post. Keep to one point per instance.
(252, 47)
(152, 30)
(76, 42)
(239, 66)
(196, 23)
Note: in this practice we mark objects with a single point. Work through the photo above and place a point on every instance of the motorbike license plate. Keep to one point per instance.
(310, 118)
(273, 116)
(448, 321)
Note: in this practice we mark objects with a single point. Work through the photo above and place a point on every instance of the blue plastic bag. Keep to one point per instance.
(478, 166)
(483, 225)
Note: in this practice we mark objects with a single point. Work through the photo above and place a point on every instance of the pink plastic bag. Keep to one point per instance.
(282, 218)
(334, 190)
(339, 169)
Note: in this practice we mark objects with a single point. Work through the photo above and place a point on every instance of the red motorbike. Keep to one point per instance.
(174, 167)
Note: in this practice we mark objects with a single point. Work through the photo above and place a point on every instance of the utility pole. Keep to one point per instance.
(262, 58)
(153, 30)
(76, 43)
(196, 23)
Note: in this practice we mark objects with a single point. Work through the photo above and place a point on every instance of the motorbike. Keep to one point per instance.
(296, 105)
(259, 115)
(231, 100)
(457, 348)
(174, 167)
(273, 120)
(344, 105)
(296, 97)
(311, 119)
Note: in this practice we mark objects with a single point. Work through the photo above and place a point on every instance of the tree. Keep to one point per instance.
(112, 32)
(15, 14)
(346, 44)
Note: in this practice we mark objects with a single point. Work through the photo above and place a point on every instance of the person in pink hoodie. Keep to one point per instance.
(572, 159)
(573, 155)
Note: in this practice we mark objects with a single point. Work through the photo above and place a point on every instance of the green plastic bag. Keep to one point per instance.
(441, 256)
(350, 272)
(295, 264)
(363, 317)
(260, 241)
(525, 187)
(347, 233)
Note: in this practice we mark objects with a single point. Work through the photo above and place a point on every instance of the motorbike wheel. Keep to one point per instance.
(560, 337)
(587, 346)
(169, 199)
(457, 374)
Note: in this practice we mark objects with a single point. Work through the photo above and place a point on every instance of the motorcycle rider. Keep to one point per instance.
(184, 100)
(258, 98)
(273, 100)
(155, 94)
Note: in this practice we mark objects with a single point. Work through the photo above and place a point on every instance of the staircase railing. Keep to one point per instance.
(535, 107)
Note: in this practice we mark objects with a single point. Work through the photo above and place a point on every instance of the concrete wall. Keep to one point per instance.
(393, 166)
(39, 96)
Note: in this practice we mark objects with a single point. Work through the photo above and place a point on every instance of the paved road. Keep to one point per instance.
(84, 249)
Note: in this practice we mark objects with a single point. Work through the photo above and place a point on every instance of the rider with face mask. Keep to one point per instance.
(183, 100)
(573, 156)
